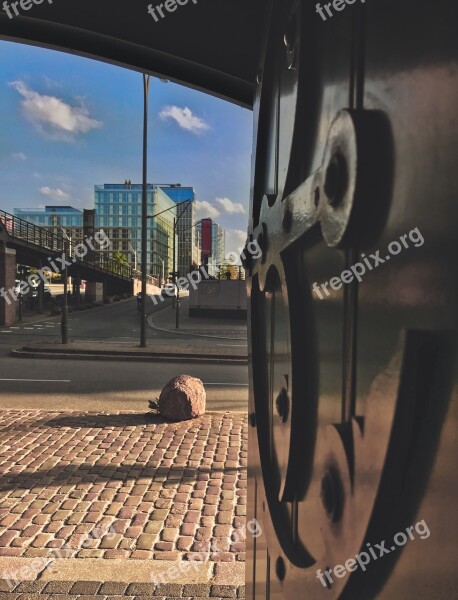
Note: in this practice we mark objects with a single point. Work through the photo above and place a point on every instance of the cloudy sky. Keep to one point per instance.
(69, 123)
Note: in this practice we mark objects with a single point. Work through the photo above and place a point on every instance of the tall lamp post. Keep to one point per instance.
(146, 82)
(64, 321)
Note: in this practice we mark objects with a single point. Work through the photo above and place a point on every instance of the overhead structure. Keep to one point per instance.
(352, 298)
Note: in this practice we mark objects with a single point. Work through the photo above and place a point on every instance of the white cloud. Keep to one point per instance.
(52, 115)
(185, 118)
(18, 156)
(54, 193)
(230, 207)
(235, 240)
(204, 209)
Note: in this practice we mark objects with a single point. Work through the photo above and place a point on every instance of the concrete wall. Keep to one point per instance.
(94, 291)
(225, 299)
(150, 289)
(7, 278)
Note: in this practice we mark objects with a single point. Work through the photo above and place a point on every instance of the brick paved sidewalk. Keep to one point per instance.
(166, 490)
(93, 590)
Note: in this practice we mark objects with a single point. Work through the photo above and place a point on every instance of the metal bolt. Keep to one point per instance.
(332, 495)
(282, 405)
(280, 568)
(252, 418)
(336, 179)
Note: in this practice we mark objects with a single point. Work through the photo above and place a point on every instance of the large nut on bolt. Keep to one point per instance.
(339, 178)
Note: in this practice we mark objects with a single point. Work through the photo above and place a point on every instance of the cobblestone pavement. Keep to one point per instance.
(87, 590)
(152, 490)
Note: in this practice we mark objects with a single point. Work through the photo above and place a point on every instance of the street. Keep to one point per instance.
(105, 385)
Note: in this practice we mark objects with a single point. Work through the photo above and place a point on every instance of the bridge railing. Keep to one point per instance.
(44, 239)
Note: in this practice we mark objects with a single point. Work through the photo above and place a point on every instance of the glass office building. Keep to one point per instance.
(118, 210)
(58, 219)
(187, 252)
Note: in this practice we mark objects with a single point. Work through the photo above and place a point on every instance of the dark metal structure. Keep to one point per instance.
(353, 303)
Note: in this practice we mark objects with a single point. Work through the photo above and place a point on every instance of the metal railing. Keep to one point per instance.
(41, 238)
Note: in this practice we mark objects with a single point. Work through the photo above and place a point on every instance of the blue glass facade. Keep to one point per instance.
(118, 209)
(187, 247)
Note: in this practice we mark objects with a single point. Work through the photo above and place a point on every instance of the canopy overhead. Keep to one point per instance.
(211, 45)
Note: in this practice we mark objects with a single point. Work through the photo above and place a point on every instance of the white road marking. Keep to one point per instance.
(40, 380)
(6, 332)
(29, 328)
(14, 327)
(229, 384)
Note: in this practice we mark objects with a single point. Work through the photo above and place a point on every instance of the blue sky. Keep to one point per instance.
(69, 123)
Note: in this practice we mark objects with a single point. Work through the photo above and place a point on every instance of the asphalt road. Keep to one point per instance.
(105, 385)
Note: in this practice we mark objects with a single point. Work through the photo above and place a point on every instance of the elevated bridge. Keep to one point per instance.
(28, 244)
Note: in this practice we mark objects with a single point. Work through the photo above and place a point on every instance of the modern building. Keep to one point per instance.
(61, 220)
(118, 210)
(218, 247)
(187, 251)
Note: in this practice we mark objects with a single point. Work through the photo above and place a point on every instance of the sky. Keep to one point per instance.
(69, 123)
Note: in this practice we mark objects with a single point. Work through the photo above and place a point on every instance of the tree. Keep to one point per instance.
(120, 258)
(228, 270)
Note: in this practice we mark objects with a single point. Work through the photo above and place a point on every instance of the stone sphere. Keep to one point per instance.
(182, 398)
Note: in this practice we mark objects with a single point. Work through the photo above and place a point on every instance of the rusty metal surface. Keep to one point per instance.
(353, 397)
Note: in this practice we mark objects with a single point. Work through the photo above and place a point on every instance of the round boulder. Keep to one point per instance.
(182, 398)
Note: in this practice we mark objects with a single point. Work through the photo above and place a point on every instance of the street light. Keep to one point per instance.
(163, 278)
(146, 81)
(134, 252)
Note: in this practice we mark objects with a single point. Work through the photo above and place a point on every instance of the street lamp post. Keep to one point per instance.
(64, 322)
(163, 279)
(134, 252)
(146, 81)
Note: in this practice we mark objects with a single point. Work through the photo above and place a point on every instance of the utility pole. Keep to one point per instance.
(146, 81)
(64, 322)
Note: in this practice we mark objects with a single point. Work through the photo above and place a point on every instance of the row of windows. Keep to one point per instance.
(118, 209)
(102, 197)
